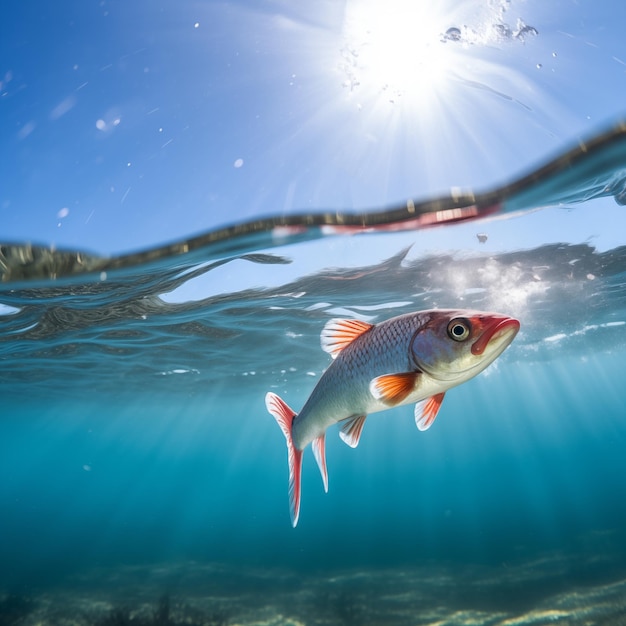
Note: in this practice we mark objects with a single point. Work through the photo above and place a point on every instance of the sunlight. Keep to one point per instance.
(437, 85)
(422, 54)
(395, 49)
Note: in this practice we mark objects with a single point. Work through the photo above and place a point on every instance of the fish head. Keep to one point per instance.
(454, 346)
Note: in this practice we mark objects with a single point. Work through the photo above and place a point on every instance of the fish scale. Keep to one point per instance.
(343, 388)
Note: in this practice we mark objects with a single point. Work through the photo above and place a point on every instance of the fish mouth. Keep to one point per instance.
(499, 333)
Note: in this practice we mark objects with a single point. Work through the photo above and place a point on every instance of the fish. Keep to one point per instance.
(412, 358)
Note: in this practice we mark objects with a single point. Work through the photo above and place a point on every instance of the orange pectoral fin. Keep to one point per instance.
(426, 411)
(392, 389)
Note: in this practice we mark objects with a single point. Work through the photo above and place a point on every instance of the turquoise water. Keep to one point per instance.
(143, 480)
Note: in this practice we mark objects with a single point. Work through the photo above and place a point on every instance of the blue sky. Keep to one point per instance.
(129, 124)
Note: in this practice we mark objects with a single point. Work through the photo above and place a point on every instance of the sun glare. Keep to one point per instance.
(437, 80)
(414, 51)
(395, 49)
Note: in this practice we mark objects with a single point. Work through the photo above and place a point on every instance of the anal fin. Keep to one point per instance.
(426, 411)
(319, 452)
(351, 429)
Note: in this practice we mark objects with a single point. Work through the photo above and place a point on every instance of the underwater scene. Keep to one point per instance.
(247, 248)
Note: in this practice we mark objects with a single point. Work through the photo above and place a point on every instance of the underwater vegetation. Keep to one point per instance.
(557, 588)
(14, 608)
(163, 615)
(18, 610)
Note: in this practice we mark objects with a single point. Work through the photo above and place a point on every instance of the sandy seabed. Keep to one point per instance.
(545, 591)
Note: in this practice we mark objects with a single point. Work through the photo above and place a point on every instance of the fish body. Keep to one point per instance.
(412, 358)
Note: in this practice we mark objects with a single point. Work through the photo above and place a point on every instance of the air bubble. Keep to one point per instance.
(452, 34)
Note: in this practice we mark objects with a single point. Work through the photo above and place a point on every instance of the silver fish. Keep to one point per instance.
(415, 357)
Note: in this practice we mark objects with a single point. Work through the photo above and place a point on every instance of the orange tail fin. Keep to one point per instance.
(284, 416)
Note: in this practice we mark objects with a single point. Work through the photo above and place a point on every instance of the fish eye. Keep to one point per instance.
(459, 329)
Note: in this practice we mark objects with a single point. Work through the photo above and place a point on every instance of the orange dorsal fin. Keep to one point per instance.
(426, 411)
(337, 334)
(351, 429)
(392, 389)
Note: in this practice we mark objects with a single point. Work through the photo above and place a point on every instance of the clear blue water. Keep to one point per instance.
(275, 146)
(138, 459)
